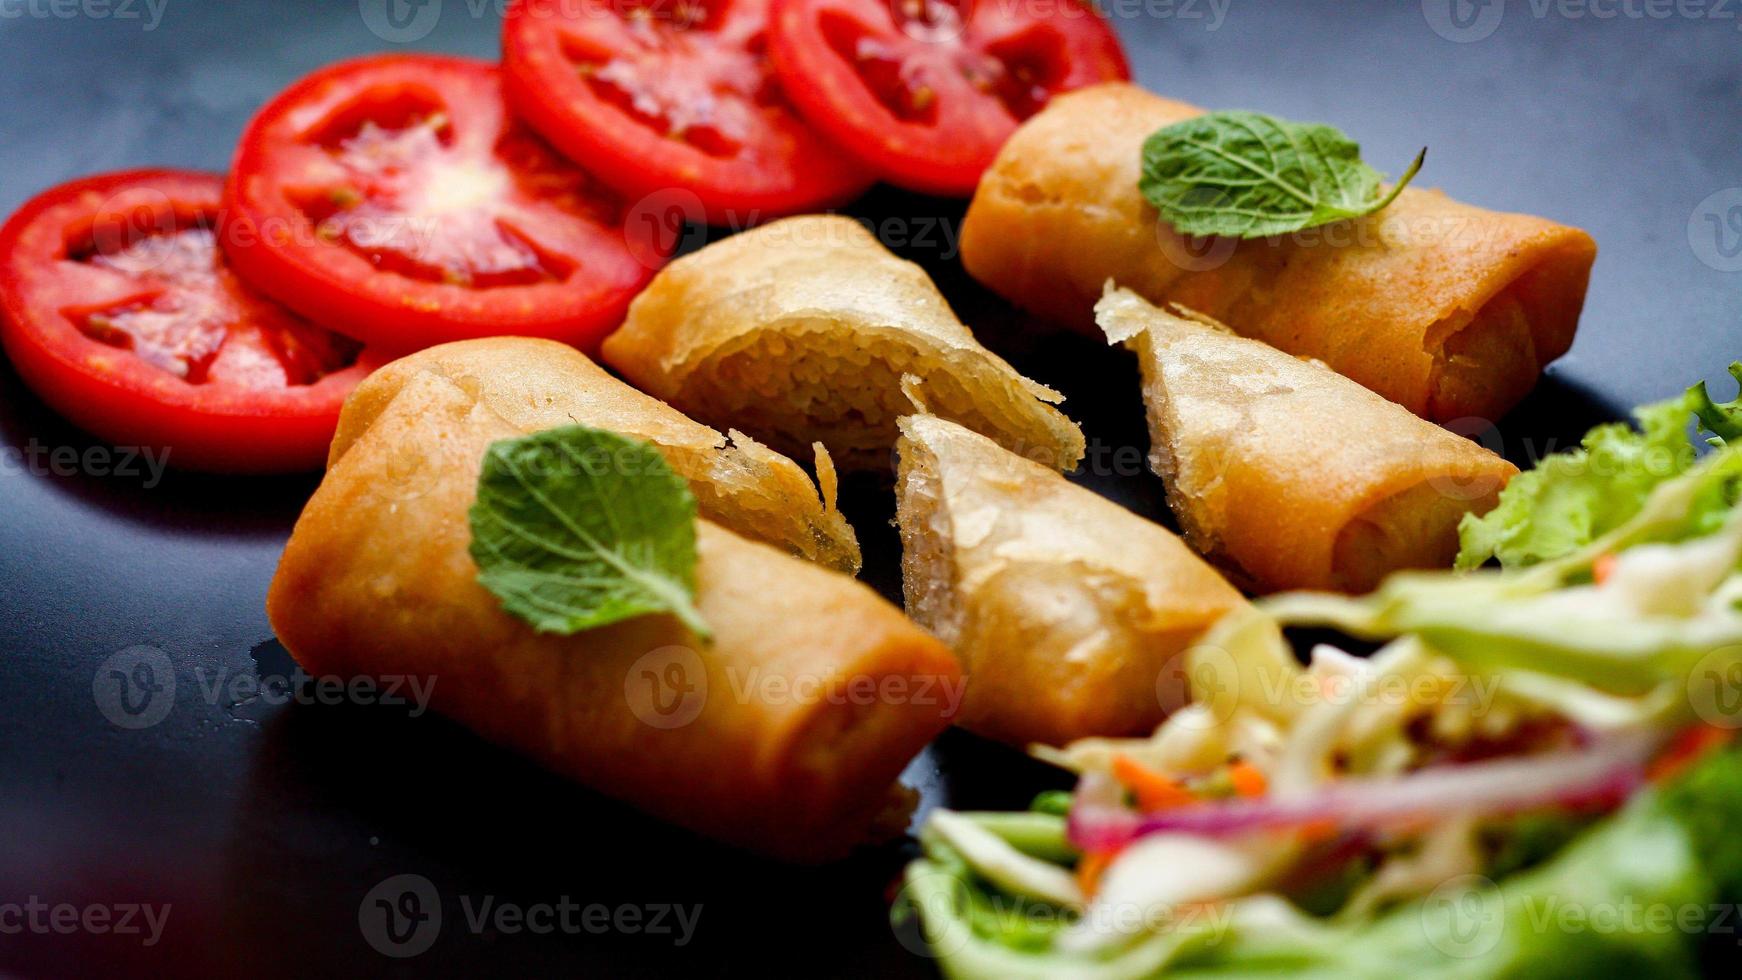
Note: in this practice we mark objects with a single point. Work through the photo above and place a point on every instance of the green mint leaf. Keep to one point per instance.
(1248, 175)
(575, 528)
(1723, 421)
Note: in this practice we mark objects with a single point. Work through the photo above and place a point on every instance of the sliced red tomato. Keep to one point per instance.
(118, 309)
(657, 96)
(395, 199)
(926, 91)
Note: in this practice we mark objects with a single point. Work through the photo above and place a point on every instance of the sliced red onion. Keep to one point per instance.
(1598, 777)
(1098, 819)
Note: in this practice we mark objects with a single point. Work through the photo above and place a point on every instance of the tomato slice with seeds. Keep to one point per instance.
(926, 91)
(657, 96)
(118, 309)
(394, 198)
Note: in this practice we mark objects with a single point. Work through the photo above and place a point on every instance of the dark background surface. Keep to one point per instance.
(265, 825)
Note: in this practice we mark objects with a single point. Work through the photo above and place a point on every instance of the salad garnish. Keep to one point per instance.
(1554, 729)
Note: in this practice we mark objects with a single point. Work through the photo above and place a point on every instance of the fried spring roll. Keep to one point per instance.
(1069, 612)
(800, 331)
(541, 384)
(784, 735)
(1446, 309)
(1288, 473)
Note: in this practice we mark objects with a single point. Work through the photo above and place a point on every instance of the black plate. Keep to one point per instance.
(265, 826)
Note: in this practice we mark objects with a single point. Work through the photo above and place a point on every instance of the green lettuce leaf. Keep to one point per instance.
(575, 528)
(1572, 498)
(1724, 421)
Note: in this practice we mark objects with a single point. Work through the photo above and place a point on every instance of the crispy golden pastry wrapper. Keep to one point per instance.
(1070, 613)
(1286, 472)
(540, 384)
(800, 331)
(784, 735)
(1446, 309)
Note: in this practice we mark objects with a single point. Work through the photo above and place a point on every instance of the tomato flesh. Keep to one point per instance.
(926, 91)
(201, 325)
(121, 312)
(394, 198)
(694, 81)
(660, 97)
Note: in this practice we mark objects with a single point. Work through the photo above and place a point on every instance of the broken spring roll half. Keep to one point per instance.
(1070, 613)
(800, 331)
(1288, 473)
(785, 734)
(1446, 309)
(541, 384)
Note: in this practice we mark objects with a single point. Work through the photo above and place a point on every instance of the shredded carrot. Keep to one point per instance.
(1090, 868)
(1316, 831)
(1247, 780)
(1602, 568)
(1154, 791)
(1685, 750)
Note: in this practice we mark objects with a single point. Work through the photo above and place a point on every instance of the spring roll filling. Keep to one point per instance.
(1416, 528)
(928, 575)
(800, 381)
(1517, 327)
